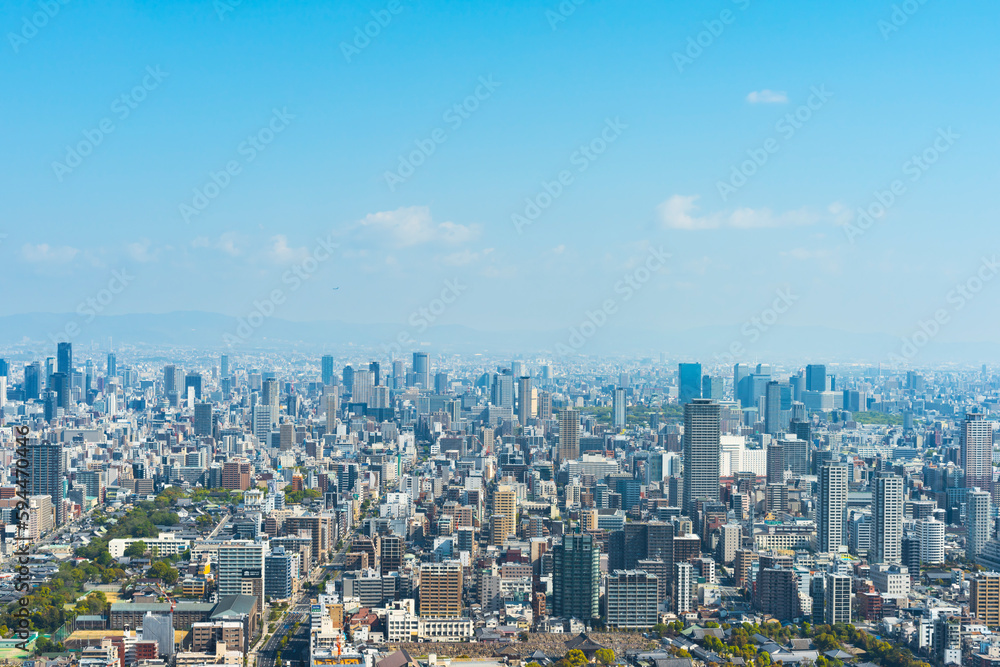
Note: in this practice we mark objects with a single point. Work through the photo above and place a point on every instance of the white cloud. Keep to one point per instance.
(682, 212)
(282, 253)
(229, 243)
(768, 97)
(413, 225)
(43, 252)
(141, 251)
(678, 213)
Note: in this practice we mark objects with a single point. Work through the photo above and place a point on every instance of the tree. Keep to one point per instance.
(575, 658)
(161, 570)
(605, 656)
(136, 549)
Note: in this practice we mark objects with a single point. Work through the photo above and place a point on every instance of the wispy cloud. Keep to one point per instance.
(767, 96)
(43, 252)
(682, 212)
(414, 225)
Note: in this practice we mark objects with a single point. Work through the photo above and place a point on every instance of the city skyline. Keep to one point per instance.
(314, 215)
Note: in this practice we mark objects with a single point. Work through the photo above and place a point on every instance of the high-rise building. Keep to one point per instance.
(977, 519)
(193, 380)
(203, 419)
(984, 598)
(683, 587)
(977, 451)
(837, 599)
(112, 365)
(632, 597)
(816, 377)
(712, 387)
(241, 569)
(376, 371)
(236, 475)
(169, 378)
(421, 370)
(64, 358)
(441, 383)
(504, 515)
(688, 382)
(576, 578)
(887, 515)
(930, 532)
(702, 437)
(278, 574)
(47, 469)
(224, 366)
(32, 381)
(831, 510)
(777, 593)
(772, 408)
(441, 590)
(364, 386)
(569, 435)
(618, 408)
(775, 463)
(524, 400)
(326, 372)
(59, 383)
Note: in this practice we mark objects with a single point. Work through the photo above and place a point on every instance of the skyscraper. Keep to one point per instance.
(831, 519)
(702, 435)
(376, 370)
(169, 378)
(224, 366)
(441, 590)
(524, 399)
(241, 569)
(364, 385)
(775, 463)
(326, 374)
(977, 513)
(112, 365)
(689, 382)
(772, 408)
(59, 383)
(887, 514)
(576, 578)
(569, 435)
(618, 408)
(504, 515)
(421, 369)
(193, 380)
(47, 469)
(64, 358)
(32, 381)
(816, 377)
(203, 419)
(977, 451)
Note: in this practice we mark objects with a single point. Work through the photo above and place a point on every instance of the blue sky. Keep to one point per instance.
(555, 86)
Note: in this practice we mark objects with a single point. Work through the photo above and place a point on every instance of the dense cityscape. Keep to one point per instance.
(246, 510)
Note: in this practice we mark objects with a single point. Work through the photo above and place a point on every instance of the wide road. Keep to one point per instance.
(297, 648)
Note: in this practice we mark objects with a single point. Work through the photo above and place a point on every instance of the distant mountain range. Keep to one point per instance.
(36, 334)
